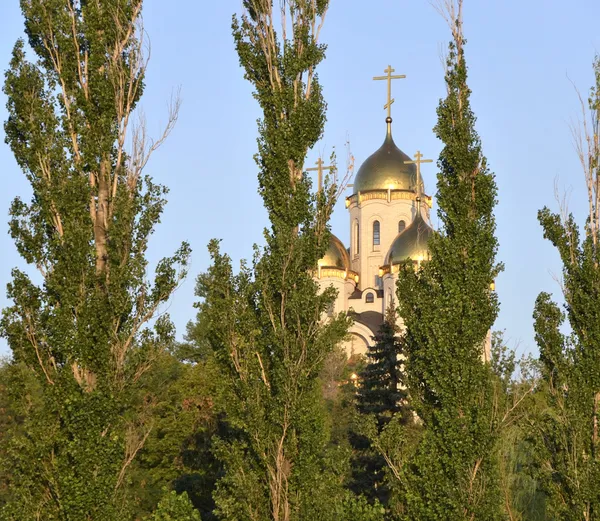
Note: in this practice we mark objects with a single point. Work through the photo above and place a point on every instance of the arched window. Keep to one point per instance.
(401, 226)
(376, 233)
(356, 238)
(370, 298)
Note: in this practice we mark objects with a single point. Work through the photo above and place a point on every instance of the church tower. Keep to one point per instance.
(388, 223)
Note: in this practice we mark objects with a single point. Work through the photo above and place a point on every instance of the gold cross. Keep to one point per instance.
(418, 160)
(320, 169)
(389, 79)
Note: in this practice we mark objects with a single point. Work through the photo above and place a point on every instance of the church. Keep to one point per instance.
(389, 223)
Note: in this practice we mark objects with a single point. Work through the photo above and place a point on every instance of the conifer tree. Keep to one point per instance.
(567, 433)
(448, 308)
(380, 396)
(381, 392)
(79, 327)
(267, 325)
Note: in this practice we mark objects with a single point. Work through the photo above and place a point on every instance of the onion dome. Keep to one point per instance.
(386, 168)
(410, 243)
(336, 255)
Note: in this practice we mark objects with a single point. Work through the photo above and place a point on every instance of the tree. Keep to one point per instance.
(175, 507)
(568, 449)
(267, 325)
(517, 399)
(448, 309)
(381, 396)
(83, 331)
(177, 453)
(382, 390)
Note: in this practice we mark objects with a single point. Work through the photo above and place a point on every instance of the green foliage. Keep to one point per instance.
(382, 389)
(81, 333)
(566, 431)
(357, 508)
(175, 507)
(448, 309)
(264, 324)
(177, 452)
(518, 402)
(382, 395)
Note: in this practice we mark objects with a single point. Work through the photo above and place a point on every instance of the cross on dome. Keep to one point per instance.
(320, 169)
(418, 161)
(389, 79)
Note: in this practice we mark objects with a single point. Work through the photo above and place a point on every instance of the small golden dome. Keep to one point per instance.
(386, 169)
(410, 243)
(336, 255)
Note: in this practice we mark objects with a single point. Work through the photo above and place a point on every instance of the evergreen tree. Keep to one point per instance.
(81, 332)
(381, 395)
(448, 309)
(382, 390)
(568, 448)
(266, 325)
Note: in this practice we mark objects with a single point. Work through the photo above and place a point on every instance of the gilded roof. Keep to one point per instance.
(410, 243)
(336, 255)
(386, 169)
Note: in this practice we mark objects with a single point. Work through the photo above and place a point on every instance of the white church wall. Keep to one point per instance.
(389, 290)
(340, 286)
(366, 257)
(358, 341)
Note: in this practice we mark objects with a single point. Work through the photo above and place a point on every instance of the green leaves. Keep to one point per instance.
(83, 331)
(265, 325)
(175, 507)
(448, 310)
(565, 434)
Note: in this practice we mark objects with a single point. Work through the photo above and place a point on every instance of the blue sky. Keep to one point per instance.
(522, 56)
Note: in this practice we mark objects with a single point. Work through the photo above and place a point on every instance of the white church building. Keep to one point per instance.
(389, 223)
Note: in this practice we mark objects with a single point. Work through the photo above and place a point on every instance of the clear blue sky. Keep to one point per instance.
(519, 52)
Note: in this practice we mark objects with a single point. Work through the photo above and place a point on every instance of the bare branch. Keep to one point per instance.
(142, 148)
(134, 442)
(585, 134)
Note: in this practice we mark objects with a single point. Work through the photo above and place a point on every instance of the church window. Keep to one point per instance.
(376, 233)
(356, 238)
(330, 310)
(370, 298)
(378, 282)
(401, 226)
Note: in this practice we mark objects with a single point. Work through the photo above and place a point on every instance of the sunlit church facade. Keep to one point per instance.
(389, 223)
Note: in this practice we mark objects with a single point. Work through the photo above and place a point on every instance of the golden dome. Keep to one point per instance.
(385, 169)
(411, 243)
(336, 255)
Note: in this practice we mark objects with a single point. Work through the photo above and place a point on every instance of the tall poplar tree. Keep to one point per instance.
(448, 308)
(79, 327)
(268, 325)
(568, 438)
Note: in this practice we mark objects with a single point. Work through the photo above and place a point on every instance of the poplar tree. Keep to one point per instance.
(567, 432)
(448, 309)
(267, 325)
(79, 326)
